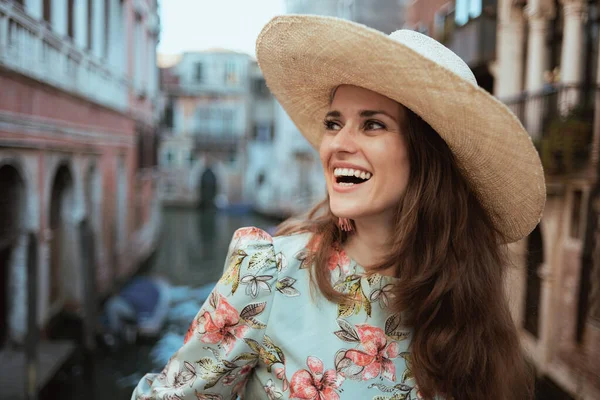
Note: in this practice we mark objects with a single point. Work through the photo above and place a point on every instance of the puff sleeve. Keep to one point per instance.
(219, 350)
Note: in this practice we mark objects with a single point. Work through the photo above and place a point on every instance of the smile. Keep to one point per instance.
(350, 176)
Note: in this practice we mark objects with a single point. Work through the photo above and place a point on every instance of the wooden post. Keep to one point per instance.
(88, 268)
(31, 361)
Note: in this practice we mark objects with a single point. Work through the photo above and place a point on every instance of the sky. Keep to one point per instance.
(189, 25)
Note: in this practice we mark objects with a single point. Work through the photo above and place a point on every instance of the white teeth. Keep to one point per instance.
(351, 172)
(346, 184)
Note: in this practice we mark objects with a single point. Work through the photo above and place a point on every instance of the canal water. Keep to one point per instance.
(191, 253)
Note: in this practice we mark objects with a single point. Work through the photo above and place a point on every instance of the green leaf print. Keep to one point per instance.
(252, 310)
(246, 357)
(260, 260)
(254, 345)
(268, 342)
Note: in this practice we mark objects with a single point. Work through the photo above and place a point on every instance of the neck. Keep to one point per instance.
(369, 242)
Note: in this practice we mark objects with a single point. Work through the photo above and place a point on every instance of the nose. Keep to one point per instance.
(345, 140)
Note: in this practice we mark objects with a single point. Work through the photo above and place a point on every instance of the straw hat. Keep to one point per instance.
(303, 58)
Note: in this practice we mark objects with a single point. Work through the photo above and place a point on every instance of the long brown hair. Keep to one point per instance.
(451, 271)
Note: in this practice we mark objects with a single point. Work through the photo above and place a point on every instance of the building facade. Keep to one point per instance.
(547, 73)
(541, 59)
(78, 92)
(284, 175)
(202, 151)
(384, 15)
(467, 27)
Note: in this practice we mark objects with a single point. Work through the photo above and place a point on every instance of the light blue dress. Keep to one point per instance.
(266, 333)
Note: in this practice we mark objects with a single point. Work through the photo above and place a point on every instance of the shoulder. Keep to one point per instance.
(291, 245)
(252, 236)
(258, 244)
(250, 239)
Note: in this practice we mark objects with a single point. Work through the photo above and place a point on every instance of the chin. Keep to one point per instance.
(343, 211)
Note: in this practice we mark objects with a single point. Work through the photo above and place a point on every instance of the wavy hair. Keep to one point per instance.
(451, 269)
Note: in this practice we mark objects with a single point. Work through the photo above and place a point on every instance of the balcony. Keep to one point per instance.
(224, 143)
(29, 47)
(560, 122)
(475, 42)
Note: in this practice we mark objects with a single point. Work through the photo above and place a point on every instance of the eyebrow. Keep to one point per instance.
(362, 114)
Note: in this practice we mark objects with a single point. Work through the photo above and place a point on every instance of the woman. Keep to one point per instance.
(392, 288)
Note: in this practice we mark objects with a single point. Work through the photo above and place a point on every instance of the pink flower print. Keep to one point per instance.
(339, 258)
(252, 233)
(315, 384)
(245, 369)
(223, 328)
(191, 330)
(376, 359)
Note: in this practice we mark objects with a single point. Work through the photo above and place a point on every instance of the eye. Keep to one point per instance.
(371, 125)
(331, 125)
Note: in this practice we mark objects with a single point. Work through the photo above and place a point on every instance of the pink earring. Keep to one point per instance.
(345, 224)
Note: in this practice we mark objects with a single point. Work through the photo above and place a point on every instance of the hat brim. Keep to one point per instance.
(303, 58)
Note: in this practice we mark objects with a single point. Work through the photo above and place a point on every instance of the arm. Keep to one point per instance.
(215, 360)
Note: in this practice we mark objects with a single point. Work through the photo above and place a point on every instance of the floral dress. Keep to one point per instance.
(266, 333)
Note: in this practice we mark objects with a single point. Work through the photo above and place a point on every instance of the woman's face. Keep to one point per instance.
(364, 153)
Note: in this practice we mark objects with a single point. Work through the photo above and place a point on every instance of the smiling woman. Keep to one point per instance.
(392, 287)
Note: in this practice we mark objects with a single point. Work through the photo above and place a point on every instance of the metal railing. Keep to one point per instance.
(559, 119)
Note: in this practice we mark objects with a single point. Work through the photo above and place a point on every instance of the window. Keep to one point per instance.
(202, 119)
(462, 12)
(263, 132)
(70, 19)
(168, 116)
(260, 179)
(227, 122)
(475, 8)
(199, 73)
(215, 122)
(106, 27)
(191, 158)
(89, 24)
(259, 87)
(169, 157)
(467, 9)
(138, 59)
(47, 11)
(575, 231)
(230, 73)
